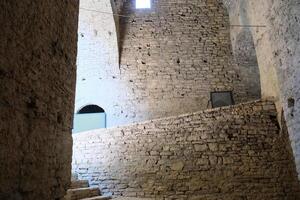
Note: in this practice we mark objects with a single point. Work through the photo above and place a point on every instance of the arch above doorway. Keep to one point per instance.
(91, 109)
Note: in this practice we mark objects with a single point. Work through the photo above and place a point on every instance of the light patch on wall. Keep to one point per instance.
(140, 4)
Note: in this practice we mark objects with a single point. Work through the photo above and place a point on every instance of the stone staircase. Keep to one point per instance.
(80, 190)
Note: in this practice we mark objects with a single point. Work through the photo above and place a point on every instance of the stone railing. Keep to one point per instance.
(235, 152)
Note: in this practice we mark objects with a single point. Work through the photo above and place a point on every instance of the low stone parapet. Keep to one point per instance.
(235, 152)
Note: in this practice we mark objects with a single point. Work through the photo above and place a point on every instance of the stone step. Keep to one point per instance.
(79, 184)
(81, 193)
(97, 198)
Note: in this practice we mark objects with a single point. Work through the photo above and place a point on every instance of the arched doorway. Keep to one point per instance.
(88, 118)
(97, 56)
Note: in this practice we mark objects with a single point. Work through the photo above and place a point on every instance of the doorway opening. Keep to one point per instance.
(88, 118)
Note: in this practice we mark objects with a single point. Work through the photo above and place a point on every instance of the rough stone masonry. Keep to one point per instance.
(278, 54)
(231, 153)
(37, 84)
(171, 57)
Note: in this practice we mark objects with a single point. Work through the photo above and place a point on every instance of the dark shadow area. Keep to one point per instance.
(124, 11)
(91, 109)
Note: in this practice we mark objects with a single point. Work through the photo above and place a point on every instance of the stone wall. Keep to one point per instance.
(278, 53)
(229, 153)
(171, 57)
(97, 60)
(37, 84)
(243, 46)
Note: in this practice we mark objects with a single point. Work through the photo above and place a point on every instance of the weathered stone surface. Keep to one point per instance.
(171, 57)
(181, 52)
(98, 58)
(37, 84)
(80, 193)
(242, 156)
(201, 147)
(177, 166)
(79, 184)
(132, 198)
(243, 47)
(80, 190)
(277, 49)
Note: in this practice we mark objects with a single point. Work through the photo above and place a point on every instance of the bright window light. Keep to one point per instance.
(143, 4)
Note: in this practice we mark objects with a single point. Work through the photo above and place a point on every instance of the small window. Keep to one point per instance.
(143, 4)
(220, 99)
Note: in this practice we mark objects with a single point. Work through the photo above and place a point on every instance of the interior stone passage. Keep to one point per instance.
(155, 70)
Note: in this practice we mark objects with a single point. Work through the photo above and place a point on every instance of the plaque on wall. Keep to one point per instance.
(220, 99)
